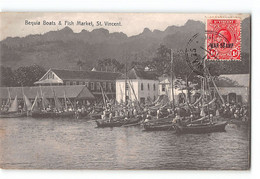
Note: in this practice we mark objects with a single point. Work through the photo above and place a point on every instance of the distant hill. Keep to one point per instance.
(63, 48)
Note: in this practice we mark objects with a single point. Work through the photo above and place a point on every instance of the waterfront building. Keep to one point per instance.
(91, 79)
(138, 85)
(234, 88)
(165, 88)
(75, 93)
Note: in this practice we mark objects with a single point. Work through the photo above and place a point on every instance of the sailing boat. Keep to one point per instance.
(13, 111)
(27, 104)
(60, 112)
(125, 120)
(205, 124)
(44, 111)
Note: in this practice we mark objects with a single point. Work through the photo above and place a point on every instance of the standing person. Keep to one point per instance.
(158, 113)
(169, 111)
(110, 116)
(135, 112)
(116, 113)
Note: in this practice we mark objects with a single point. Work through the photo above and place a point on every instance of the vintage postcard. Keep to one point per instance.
(117, 91)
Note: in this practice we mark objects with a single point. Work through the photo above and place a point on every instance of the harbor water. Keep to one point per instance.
(28, 143)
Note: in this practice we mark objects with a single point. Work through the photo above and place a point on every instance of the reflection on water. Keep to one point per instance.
(77, 144)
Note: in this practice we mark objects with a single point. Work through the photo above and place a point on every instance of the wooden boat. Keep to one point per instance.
(43, 114)
(82, 115)
(13, 111)
(159, 127)
(106, 123)
(13, 115)
(118, 122)
(201, 128)
(39, 112)
(95, 115)
(65, 114)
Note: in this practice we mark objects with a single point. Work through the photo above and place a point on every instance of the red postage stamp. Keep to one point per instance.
(223, 39)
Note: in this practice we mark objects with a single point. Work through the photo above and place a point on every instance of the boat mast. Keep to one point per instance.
(130, 84)
(24, 103)
(43, 105)
(9, 95)
(216, 88)
(172, 78)
(65, 100)
(125, 83)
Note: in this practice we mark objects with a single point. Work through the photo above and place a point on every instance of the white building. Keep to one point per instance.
(234, 88)
(140, 85)
(165, 88)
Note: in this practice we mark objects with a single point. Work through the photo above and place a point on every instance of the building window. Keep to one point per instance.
(148, 87)
(74, 83)
(49, 75)
(98, 86)
(154, 88)
(92, 87)
(113, 86)
(163, 87)
(104, 86)
(109, 87)
(142, 86)
(52, 76)
(67, 83)
(87, 84)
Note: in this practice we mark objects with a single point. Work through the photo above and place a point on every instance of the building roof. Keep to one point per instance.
(72, 91)
(49, 81)
(135, 73)
(73, 74)
(233, 80)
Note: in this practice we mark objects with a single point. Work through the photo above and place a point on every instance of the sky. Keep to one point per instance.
(13, 24)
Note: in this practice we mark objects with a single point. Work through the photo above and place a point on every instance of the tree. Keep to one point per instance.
(110, 65)
(26, 76)
(161, 62)
(80, 64)
(6, 77)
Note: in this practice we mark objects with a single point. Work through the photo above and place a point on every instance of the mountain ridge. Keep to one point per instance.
(63, 48)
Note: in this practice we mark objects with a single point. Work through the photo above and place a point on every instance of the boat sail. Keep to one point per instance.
(27, 102)
(35, 106)
(14, 105)
(130, 108)
(205, 124)
(13, 111)
(57, 103)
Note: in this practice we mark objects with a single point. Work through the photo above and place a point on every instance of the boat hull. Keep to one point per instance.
(198, 129)
(118, 123)
(13, 115)
(69, 114)
(165, 127)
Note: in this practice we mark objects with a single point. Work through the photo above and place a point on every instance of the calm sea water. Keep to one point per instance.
(76, 144)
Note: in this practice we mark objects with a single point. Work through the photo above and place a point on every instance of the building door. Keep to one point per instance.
(232, 98)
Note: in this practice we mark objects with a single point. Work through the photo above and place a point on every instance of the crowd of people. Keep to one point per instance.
(234, 111)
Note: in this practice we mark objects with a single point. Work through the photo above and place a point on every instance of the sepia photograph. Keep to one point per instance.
(125, 91)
